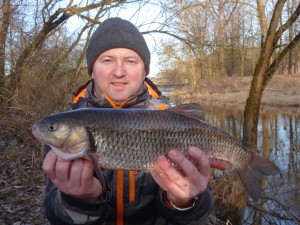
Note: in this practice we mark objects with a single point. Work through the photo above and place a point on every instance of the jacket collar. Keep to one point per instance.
(84, 97)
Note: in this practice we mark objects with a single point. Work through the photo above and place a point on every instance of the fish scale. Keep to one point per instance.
(132, 139)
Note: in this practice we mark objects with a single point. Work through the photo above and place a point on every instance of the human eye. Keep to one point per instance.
(106, 60)
(131, 61)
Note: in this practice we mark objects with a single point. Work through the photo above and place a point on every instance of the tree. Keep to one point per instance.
(55, 20)
(3, 35)
(265, 68)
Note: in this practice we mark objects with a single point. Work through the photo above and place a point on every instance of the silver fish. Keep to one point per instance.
(132, 139)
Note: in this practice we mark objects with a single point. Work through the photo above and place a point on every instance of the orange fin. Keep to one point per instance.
(191, 110)
(216, 165)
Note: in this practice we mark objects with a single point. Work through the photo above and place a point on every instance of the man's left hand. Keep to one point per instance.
(184, 181)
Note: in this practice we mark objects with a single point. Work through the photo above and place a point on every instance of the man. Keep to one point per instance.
(118, 61)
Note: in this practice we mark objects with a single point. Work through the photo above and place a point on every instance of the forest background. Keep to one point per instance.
(215, 47)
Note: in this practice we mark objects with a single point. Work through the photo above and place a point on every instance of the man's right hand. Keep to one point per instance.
(74, 178)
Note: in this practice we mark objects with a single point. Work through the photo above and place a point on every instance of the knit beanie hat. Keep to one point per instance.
(116, 33)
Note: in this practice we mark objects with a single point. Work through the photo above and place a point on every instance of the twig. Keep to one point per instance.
(292, 217)
(297, 220)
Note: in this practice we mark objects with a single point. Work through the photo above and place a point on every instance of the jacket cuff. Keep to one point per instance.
(201, 209)
(84, 207)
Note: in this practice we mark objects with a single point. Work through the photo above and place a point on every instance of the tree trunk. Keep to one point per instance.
(264, 71)
(251, 113)
(3, 34)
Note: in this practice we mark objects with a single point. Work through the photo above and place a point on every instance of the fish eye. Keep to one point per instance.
(52, 127)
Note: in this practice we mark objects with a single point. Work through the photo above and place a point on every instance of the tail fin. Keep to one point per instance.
(252, 173)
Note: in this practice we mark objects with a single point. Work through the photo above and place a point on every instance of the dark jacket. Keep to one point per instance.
(142, 198)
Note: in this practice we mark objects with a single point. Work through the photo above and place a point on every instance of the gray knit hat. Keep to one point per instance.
(116, 33)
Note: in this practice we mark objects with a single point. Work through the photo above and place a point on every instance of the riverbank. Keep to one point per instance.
(283, 91)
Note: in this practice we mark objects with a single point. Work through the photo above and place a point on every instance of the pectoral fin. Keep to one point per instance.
(99, 173)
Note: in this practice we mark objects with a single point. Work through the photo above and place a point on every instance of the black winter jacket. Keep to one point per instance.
(142, 198)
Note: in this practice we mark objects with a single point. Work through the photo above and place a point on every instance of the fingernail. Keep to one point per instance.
(194, 150)
(173, 153)
(160, 158)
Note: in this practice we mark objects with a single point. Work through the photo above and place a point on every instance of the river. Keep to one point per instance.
(279, 141)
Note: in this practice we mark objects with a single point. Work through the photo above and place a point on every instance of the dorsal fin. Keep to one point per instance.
(191, 110)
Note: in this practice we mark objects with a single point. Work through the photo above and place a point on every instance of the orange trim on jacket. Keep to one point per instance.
(80, 95)
(113, 104)
(132, 174)
(151, 91)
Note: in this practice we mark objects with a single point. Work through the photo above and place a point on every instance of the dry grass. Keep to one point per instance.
(21, 177)
(282, 91)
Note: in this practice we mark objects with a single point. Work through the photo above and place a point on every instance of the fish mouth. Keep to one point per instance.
(37, 133)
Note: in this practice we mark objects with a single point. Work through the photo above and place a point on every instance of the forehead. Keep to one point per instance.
(126, 52)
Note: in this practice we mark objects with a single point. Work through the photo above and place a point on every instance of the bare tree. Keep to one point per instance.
(3, 35)
(50, 24)
(265, 69)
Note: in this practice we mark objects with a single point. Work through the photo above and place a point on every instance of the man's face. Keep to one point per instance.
(119, 72)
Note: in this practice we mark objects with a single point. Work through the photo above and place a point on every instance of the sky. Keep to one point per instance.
(144, 17)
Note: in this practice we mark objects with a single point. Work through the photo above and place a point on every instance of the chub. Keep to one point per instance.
(132, 139)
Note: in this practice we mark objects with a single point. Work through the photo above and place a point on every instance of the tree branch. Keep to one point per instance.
(288, 24)
(276, 62)
(285, 208)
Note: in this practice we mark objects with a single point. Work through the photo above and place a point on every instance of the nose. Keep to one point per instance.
(119, 70)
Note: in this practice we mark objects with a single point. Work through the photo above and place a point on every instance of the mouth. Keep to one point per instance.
(119, 84)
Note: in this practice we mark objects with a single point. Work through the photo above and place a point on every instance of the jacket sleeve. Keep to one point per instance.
(194, 216)
(62, 209)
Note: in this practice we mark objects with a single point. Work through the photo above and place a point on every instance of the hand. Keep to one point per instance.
(187, 180)
(74, 178)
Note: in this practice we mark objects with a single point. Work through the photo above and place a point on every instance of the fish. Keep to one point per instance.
(132, 139)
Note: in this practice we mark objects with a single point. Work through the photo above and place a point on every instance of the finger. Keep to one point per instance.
(160, 178)
(159, 174)
(87, 175)
(202, 160)
(75, 173)
(188, 168)
(217, 165)
(168, 169)
(49, 164)
(195, 179)
(170, 178)
(62, 170)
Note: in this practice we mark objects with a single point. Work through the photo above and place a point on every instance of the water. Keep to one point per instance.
(278, 140)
